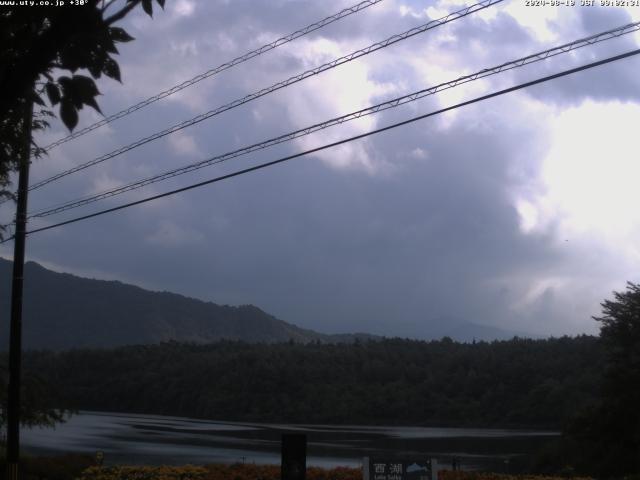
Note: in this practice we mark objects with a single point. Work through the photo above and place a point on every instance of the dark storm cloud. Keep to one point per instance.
(429, 231)
(304, 242)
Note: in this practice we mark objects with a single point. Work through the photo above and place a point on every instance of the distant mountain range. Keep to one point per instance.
(435, 328)
(63, 311)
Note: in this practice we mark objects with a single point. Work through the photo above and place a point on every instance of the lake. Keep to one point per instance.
(155, 439)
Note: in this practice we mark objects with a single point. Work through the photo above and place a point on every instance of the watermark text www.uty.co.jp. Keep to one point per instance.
(42, 3)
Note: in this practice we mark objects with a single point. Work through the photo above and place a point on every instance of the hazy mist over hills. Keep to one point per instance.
(63, 311)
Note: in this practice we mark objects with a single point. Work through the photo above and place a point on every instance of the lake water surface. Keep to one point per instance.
(154, 439)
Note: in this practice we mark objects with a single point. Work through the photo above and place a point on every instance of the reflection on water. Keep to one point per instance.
(153, 439)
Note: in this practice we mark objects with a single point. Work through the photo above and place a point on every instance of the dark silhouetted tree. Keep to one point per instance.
(42, 49)
(37, 396)
(620, 334)
(607, 435)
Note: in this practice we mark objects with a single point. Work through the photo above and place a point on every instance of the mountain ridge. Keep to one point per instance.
(110, 313)
(64, 311)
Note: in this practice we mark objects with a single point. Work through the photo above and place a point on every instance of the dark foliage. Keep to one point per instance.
(605, 439)
(37, 46)
(61, 467)
(43, 51)
(37, 397)
(509, 383)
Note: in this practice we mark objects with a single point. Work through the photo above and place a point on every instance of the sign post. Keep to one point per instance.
(294, 457)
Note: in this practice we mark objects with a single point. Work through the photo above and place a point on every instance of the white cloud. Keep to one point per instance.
(184, 144)
(589, 176)
(334, 93)
(406, 10)
(585, 197)
(528, 215)
(103, 181)
(184, 49)
(536, 19)
(537, 289)
(184, 8)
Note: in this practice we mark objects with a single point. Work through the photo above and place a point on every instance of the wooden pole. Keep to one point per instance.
(15, 329)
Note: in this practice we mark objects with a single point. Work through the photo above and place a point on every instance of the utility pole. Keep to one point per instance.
(15, 333)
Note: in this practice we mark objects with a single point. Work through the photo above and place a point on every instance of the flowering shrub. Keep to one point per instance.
(187, 472)
(338, 473)
(269, 472)
(241, 471)
(272, 472)
(213, 472)
(462, 475)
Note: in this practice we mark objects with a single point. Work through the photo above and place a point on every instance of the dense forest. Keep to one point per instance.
(520, 382)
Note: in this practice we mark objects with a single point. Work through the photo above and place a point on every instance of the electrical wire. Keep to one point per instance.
(277, 86)
(220, 68)
(340, 142)
(567, 47)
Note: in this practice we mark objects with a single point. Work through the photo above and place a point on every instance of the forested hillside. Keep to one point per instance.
(63, 311)
(508, 383)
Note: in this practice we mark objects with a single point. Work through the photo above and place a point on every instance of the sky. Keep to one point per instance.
(519, 212)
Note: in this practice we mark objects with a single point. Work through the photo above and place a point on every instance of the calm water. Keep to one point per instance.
(153, 439)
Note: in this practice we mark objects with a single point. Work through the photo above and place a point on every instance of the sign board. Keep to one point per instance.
(400, 469)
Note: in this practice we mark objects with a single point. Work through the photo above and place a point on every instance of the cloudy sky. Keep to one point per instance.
(518, 212)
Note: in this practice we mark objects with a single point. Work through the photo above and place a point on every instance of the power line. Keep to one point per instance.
(277, 86)
(567, 47)
(220, 68)
(340, 142)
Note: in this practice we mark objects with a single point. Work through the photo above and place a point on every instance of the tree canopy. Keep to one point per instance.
(37, 395)
(43, 49)
(520, 382)
(46, 53)
(619, 415)
(607, 435)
